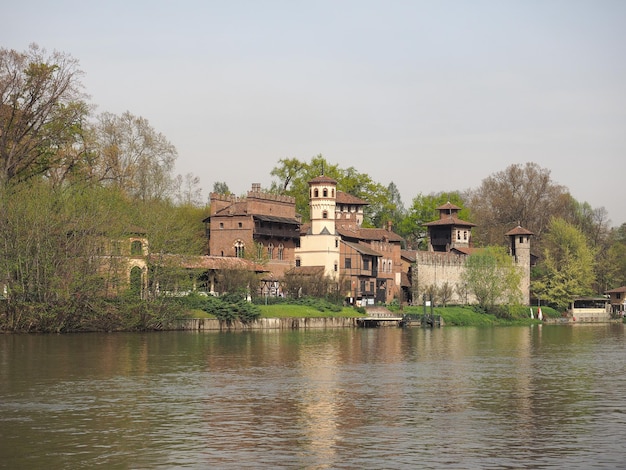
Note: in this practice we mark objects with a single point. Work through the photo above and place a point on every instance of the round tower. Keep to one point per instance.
(322, 201)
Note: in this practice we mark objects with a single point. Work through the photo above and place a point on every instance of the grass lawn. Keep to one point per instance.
(303, 311)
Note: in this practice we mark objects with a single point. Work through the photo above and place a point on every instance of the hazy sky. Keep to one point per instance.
(432, 95)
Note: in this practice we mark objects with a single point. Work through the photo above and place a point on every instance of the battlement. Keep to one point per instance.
(255, 193)
(437, 258)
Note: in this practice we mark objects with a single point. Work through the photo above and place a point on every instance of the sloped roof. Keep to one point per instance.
(323, 179)
(272, 218)
(207, 262)
(409, 255)
(368, 234)
(236, 208)
(450, 220)
(616, 291)
(345, 198)
(307, 270)
(448, 206)
(362, 248)
(519, 230)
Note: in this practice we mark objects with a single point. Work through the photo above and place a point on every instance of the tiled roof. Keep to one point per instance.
(369, 234)
(450, 220)
(237, 208)
(616, 291)
(448, 206)
(208, 262)
(272, 218)
(323, 179)
(409, 255)
(345, 198)
(519, 230)
(361, 248)
(307, 270)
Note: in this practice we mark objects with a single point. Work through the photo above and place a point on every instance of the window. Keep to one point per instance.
(348, 263)
(325, 192)
(240, 224)
(316, 192)
(458, 235)
(362, 287)
(325, 215)
(270, 251)
(336, 243)
(366, 264)
(298, 262)
(221, 224)
(259, 251)
(521, 239)
(336, 267)
(465, 235)
(332, 192)
(136, 248)
(239, 249)
(281, 251)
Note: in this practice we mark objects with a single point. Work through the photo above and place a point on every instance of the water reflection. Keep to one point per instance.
(387, 398)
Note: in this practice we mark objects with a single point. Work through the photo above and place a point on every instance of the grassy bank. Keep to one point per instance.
(452, 316)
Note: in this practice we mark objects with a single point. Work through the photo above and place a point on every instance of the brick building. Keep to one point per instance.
(260, 226)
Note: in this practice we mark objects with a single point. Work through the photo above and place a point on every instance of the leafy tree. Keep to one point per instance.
(492, 278)
(424, 210)
(567, 267)
(615, 275)
(221, 188)
(42, 110)
(294, 176)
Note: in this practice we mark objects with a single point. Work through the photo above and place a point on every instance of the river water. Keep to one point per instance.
(515, 397)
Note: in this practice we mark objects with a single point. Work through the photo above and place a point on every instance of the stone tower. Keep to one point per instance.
(519, 249)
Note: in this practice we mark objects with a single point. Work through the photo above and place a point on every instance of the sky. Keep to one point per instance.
(430, 95)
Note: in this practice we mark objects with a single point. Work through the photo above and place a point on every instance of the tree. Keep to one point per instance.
(42, 110)
(220, 187)
(567, 267)
(520, 195)
(492, 278)
(424, 210)
(188, 191)
(133, 156)
(294, 176)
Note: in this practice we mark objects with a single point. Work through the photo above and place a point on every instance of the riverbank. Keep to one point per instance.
(285, 316)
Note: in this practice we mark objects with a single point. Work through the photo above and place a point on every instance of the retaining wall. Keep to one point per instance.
(209, 324)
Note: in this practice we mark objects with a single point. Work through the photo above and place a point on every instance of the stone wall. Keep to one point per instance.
(213, 324)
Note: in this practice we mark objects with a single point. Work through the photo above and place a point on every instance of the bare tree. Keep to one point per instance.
(521, 194)
(133, 156)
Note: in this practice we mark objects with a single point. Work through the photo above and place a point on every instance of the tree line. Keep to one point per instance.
(67, 173)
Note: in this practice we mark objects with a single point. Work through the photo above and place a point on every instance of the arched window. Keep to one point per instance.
(281, 251)
(325, 192)
(239, 249)
(270, 251)
(332, 193)
(259, 250)
(135, 280)
(316, 192)
(325, 215)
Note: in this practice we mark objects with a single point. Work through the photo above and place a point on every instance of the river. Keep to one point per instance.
(462, 398)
